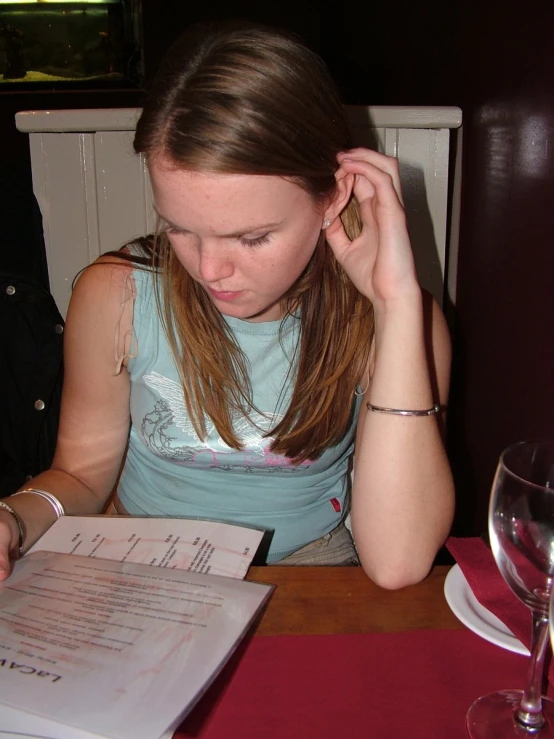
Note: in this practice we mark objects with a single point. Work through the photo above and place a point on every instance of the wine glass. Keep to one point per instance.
(521, 530)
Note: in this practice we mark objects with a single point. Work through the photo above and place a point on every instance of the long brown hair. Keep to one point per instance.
(245, 99)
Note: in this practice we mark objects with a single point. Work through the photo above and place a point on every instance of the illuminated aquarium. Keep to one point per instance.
(70, 43)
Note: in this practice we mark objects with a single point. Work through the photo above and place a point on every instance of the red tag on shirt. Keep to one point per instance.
(336, 504)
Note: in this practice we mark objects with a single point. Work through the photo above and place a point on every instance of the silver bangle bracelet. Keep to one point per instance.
(59, 510)
(399, 412)
(19, 523)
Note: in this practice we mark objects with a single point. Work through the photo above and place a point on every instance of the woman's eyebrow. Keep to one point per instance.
(167, 221)
(233, 235)
(252, 229)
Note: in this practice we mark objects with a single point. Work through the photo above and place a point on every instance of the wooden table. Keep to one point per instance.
(323, 665)
(341, 600)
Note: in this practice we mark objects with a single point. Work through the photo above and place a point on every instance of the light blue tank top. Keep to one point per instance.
(169, 471)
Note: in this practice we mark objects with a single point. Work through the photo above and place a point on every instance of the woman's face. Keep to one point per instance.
(245, 238)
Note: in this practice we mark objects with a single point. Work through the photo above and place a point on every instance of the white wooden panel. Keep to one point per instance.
(124, 119)
(404, 116)
(388, 141)
(95, 194)
(60, 179)
(148, 202)
(88, 160)
(121, 185)
(454, 236)
(423, 159)
(85, 120)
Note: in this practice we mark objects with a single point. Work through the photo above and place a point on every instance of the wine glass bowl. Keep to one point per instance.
(521, 540)
(521, 530)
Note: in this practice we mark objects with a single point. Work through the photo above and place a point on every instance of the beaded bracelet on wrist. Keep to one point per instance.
(6, 507)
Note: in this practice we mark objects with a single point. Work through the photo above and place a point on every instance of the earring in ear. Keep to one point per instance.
(326, 223)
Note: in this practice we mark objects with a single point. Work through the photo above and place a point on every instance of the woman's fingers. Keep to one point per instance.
(372, 181)
(378, 200)
(337, 238)
(379, 259)
(378, 169)
(5, 549)
(381, 161)
(356, 256)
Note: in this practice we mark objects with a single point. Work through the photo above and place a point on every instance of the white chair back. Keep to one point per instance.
(94, 192)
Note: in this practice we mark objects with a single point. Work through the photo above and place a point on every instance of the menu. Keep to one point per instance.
(91, 647)
(207, 547)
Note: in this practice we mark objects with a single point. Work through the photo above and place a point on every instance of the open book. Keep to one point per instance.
(115, 648)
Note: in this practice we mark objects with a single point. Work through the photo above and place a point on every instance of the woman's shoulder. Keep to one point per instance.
(102, 305)
(102, 287)
(101, 283)
(109, 275)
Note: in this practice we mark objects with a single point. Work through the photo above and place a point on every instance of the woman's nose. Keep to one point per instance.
(215, 263)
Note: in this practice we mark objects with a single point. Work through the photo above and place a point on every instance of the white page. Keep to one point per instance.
(208, 547)
(12, 719)
(115, 649)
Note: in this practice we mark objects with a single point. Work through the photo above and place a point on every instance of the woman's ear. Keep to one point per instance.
(341, 196)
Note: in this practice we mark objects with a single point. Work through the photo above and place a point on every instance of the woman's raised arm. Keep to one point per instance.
(403, 496)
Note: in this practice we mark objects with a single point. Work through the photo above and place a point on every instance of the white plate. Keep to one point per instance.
(11, 735)
(476, 617)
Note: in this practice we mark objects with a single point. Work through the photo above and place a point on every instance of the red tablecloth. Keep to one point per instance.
(410, 685)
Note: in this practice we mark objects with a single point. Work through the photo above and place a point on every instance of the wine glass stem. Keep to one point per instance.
(529, 714)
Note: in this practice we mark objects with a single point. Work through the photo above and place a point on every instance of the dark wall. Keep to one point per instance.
(162, 21)
(496, 61)
(503, 388)
(377, 52)
(52, 42)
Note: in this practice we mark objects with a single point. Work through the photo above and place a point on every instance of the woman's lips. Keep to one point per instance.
(225, 295)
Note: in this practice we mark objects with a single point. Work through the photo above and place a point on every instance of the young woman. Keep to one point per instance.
(271, 332)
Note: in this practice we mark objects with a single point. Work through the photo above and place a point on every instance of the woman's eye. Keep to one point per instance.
(255, 242)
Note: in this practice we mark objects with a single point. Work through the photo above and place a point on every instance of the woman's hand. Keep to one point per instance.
(379, 261)
(9, 543)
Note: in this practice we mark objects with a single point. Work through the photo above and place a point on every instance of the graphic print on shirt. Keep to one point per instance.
(159, 431)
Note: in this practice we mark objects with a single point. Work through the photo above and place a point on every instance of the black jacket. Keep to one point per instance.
(31, 374)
